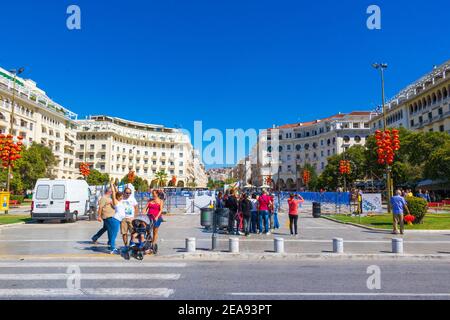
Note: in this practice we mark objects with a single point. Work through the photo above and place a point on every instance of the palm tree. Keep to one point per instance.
(161, 178)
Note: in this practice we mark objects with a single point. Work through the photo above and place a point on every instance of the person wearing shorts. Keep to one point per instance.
(154, 211)
(131, 210)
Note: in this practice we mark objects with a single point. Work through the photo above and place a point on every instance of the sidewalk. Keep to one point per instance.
(315, 238)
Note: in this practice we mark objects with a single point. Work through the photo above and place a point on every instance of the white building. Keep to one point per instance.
(423, 106)
(282, 150)
(38, 118)
(116, 146)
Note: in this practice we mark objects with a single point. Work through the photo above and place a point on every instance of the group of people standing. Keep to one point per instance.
(117, 211)
(257, 214)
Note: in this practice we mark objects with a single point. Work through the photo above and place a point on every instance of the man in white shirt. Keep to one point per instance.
(131, 210)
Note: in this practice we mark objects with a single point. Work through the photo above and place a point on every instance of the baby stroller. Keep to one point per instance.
(143, 232)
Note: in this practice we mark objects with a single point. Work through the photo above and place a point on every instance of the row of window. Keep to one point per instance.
(433, 98)
(314, 145)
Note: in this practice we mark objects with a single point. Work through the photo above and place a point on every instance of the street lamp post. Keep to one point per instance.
(389, 182)
(11, 128)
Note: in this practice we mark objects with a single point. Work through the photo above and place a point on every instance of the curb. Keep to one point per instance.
(226, 256)
(383, 230)
(10, 225)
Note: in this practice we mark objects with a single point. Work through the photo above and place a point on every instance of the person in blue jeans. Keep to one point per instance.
(113, 224)
(276, 223)
(264, 203)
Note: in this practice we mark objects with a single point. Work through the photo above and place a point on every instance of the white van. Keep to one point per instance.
(62, 199)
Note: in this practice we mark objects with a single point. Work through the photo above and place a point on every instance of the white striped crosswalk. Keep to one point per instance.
(97, 279)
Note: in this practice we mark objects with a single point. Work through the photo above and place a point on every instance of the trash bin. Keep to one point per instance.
(316, 209)
(206, 217)
(4, 201)
(222, 218)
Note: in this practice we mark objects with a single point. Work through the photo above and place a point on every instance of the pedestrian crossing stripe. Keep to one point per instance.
(81, 264)
(88, 276)
(140, 293)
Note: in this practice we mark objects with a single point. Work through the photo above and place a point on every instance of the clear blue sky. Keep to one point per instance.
(231, 64)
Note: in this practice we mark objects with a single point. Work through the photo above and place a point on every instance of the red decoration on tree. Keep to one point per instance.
(174, 181)
(269, 181)
(84, 169)
(388, 142)
(344, 167)
(131, 176)
(10, 150)
(306, 176)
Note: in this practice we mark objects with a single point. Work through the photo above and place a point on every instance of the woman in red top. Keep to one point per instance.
(154, 212)
(294, 203)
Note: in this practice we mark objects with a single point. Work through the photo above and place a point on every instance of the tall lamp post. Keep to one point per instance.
(381, 67)
(11, 128)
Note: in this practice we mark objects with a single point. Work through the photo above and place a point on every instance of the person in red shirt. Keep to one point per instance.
(264, 203)
(293, 202)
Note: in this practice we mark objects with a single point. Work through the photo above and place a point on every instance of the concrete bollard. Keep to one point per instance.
(397, 245)
(190, 245)
(234, 245)
(338, 245)
(278, 244)
(214, 241)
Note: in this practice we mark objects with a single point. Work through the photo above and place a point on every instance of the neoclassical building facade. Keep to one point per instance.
(282, 150)
(422, 106)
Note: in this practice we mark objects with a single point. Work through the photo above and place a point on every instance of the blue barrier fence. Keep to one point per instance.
(337, 198)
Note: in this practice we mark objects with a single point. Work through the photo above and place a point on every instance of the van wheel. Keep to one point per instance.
(64, 221)
(40, 221)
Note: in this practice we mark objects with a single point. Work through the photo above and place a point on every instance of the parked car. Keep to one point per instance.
(62, 199)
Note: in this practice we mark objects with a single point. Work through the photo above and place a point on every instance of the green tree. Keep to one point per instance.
(139, 184)
(313, 182)
(230, 180)
(37, 162)
(161, 178)
(438, 165)
(96, 178)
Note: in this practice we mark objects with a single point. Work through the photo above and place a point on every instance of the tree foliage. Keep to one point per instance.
(422, 155)
(96, 178)
(139, 184)
(37, 162)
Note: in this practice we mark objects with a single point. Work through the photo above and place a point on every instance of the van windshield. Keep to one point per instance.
(42, 192)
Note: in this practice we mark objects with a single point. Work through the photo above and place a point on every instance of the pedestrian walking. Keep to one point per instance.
(105, 212)
(398, 207)
(294, 202)
(245, 207)
(232, 204)
(264, 203)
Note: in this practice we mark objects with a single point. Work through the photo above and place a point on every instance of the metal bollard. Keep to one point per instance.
(397, 245)
(278, 245)
(190, 245)
(338, 245)
(214, 241)
(234, 245)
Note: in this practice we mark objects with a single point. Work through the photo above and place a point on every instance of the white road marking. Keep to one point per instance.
(90, 276)
(338, 294)
(140, 293)
(81, 264)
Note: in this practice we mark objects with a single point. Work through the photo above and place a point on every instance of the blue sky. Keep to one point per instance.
(232, 64)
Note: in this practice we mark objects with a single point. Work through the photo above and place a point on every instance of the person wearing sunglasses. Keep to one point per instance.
(131, 211)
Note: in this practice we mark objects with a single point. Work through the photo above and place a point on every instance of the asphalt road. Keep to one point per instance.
(221, 280)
